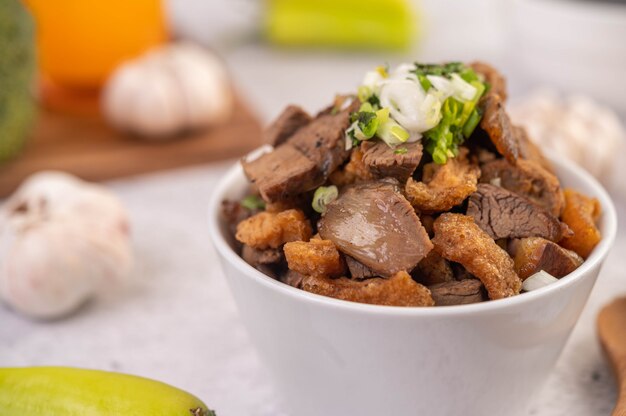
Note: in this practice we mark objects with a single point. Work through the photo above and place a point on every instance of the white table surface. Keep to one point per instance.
(176, 320)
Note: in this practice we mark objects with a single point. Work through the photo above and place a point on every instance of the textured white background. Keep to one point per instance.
(176, 320)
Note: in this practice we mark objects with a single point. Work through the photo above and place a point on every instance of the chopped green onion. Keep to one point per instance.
(364, 122)
(471, 123)
(368, 124)
(424, 82)
(374, 101)
(252, 202)
(458, 121)
(323, 196)
(366, 107)
(442, 70)
(469, 75)
(444, 139)
(382, 115)
(364, 93)
(401, 151)
(463, 90)
(392, 133)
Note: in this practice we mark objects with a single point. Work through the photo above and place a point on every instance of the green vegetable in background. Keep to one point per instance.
(17, 69)
(58, 391)
(341, 23)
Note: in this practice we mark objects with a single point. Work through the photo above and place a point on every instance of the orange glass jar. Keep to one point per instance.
(81, 42)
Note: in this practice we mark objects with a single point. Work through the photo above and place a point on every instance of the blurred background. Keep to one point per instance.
(118, 93)
(562, 57)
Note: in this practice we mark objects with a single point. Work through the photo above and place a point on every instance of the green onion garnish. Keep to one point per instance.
(323, 196)
(401, 151)
(252, 202)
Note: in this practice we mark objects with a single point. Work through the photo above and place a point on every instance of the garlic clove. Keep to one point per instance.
(61, 241)
(42, 278)
(167, 91)
(209, 99)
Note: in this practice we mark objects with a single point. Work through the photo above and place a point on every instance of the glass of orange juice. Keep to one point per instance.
(81, 42)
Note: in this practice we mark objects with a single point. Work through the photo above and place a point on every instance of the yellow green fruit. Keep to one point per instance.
(61, 391)
(389, 24)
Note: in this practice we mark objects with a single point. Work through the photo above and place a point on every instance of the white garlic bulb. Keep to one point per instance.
(61, 240)
(169, 90)
(575, 127)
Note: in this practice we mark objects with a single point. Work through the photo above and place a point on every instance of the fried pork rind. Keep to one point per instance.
(458, 238)
(315, 257)
(355, 171)
(581, 214)
(443, 186)
(398, 290)
(271, 230)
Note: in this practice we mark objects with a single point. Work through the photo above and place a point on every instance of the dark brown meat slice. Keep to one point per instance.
(433, 269)
(283, 173)
(531, 255)
(384, 161)
(234, 213)
(530, 151)
(304, 162)
(323, 140)
(358, 270)
(503, 214)
(427, 221)
(267, 261)
(397, 290)
(292, 278)
(255, 257)
(497, 83)
(458, 292)
(377, 226)
(529, 179)
(285, 125)
(497, 124)
(460, 272)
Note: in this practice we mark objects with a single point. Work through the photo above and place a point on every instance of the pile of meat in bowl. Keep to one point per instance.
(415, 191)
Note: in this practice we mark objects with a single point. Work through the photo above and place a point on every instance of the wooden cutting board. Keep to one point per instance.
(88, 148)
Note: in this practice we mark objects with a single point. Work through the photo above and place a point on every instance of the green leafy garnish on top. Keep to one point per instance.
(434, 103)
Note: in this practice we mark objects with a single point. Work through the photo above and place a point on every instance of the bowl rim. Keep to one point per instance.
(608, 228)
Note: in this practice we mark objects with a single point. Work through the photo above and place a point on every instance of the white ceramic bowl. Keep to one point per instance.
(331, 357)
